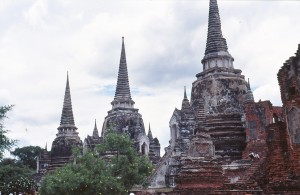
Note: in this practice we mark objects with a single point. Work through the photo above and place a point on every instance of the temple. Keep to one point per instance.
(221, 140)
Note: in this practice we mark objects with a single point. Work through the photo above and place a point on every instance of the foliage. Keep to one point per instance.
(14, 177)
(127, 166)
(5, 142)
(27, 155)
(114, 142)
(98, 172)
(89, 175)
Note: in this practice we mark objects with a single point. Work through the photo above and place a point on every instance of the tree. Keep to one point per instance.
(27, 155)
(5, 142)
(129, 168)
(91, 174)
(15, 177)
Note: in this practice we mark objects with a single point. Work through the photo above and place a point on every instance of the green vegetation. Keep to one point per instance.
(113, 168)
(27, 155)
(5, 142)
(15, 177)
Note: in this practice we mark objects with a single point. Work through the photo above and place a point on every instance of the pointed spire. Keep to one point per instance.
(122, 94)
(249, 95)
(215, 41)
(150, 134)
(123, 90)
(248, 86)
(67, 119)
(184, 96)
(46, 146)
(185, 102)
(216, 51)
(95, 132)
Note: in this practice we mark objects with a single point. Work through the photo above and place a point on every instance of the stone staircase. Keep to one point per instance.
(201, 114)
(248, 181)
(228, 135)
(58, 162)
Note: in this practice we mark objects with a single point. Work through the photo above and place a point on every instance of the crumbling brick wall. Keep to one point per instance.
(289, 82)
(258, 115)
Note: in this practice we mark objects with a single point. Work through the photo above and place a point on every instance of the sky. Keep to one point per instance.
(40, 40)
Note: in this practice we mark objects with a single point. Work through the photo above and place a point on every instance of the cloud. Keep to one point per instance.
(35, 15)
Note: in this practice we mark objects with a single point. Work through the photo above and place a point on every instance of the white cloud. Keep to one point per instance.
(35, 15)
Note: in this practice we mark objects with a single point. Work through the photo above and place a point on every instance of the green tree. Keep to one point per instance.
(127, 166)
(5, 142)
(98, 172)
(15, 177)
(27, 155)
(90, 175)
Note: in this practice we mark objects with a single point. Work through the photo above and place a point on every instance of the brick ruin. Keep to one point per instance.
(213, 135)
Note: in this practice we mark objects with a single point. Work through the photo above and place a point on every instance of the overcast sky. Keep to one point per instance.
(40, 40)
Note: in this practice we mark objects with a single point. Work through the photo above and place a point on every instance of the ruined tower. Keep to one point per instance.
(289, 82)
(208, 130)
(223, 90)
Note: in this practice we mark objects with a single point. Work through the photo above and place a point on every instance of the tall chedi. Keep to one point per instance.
(67, 136)
(221, 89)
(66, 139)
(123, 117)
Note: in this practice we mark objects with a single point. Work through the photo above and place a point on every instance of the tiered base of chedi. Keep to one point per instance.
(222, 142)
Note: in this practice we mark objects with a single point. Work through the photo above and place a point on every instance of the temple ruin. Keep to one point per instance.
(221, 140)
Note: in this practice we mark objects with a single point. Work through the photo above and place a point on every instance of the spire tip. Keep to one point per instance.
(185, 96)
